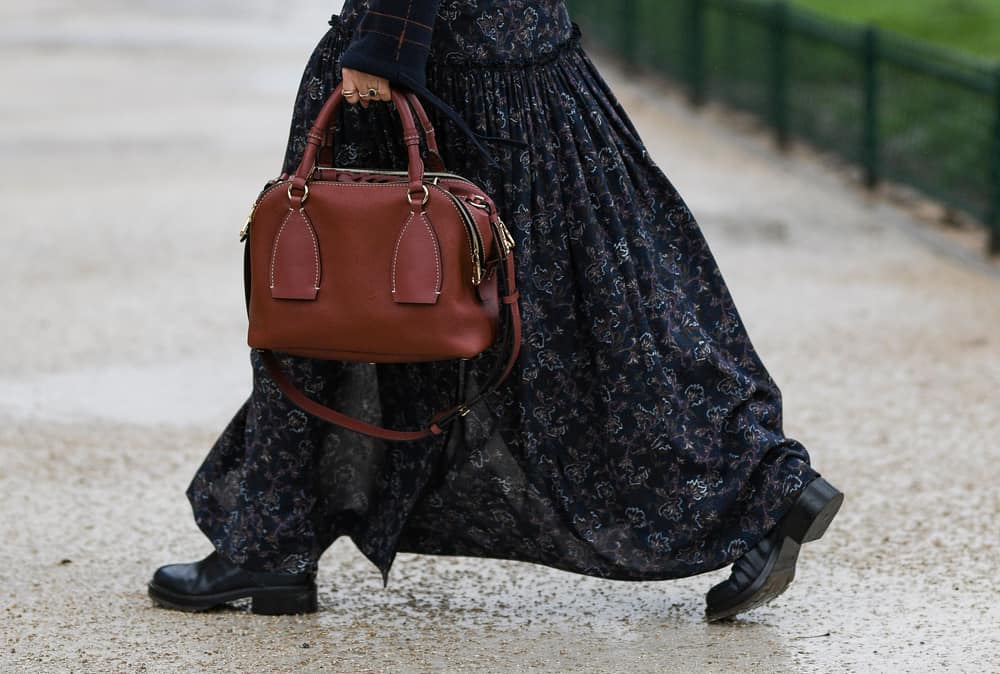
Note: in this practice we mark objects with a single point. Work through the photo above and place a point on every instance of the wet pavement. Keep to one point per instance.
(133, 137)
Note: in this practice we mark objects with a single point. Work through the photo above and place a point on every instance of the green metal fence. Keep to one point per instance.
(903, 110)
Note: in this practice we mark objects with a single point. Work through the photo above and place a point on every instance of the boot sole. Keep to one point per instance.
(274, 600)
(807, 521)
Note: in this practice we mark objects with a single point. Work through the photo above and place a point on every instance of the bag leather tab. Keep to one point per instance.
(295, 267)
(416, 262)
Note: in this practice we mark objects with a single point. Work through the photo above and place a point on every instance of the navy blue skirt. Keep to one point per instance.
(639, 437)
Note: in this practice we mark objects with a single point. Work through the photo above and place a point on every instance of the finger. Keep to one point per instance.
(367, 94)
(349, 87)
(375, 89)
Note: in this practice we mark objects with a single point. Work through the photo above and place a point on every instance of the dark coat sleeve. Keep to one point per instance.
(392, 40)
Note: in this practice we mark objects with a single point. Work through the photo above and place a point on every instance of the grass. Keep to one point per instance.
(972, 26)
(936, 115)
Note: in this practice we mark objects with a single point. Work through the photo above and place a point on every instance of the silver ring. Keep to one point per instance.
(372, 92)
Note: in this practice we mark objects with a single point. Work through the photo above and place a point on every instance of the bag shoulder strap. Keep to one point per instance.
(435, 426)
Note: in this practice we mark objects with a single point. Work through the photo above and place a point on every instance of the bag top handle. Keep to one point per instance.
(435, 161)
(411, 136)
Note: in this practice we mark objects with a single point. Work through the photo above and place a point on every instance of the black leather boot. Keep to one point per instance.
(197, 586)
(766, 571)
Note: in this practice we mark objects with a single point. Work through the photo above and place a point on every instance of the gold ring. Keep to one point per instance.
(348, 92)
(409, 197)
(305, 193)
(372, 92)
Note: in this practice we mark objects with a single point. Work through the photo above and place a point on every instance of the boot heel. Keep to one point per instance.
(813, 511)
(281, 601)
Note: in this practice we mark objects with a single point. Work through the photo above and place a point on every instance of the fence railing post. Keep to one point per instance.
(779, 72)
(730, 37)
(696, 51)
(870, 120)
(993, 218)
(629, 31)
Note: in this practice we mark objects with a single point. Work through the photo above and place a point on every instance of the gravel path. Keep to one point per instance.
(133, 129)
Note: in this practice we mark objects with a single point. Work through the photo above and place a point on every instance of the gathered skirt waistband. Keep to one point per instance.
(449, 49)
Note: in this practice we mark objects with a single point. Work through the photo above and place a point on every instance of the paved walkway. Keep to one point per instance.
(128, 135)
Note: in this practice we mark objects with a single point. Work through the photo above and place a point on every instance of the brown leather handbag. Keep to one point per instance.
(379, 266)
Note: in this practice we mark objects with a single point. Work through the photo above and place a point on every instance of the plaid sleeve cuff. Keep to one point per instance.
(393, 38)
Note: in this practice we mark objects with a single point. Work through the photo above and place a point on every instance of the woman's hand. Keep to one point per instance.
(357, 86)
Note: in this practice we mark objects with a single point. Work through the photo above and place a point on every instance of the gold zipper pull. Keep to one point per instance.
(245, 232)
(506, 240)
(477, 271)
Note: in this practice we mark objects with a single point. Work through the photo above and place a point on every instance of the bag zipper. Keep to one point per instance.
(475, 238)
(394, 172)
(270, 185)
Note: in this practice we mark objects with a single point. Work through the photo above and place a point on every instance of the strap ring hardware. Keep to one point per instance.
(409, 196)
(305, 193)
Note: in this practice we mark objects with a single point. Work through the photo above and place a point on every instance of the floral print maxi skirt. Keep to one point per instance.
(639, 437)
